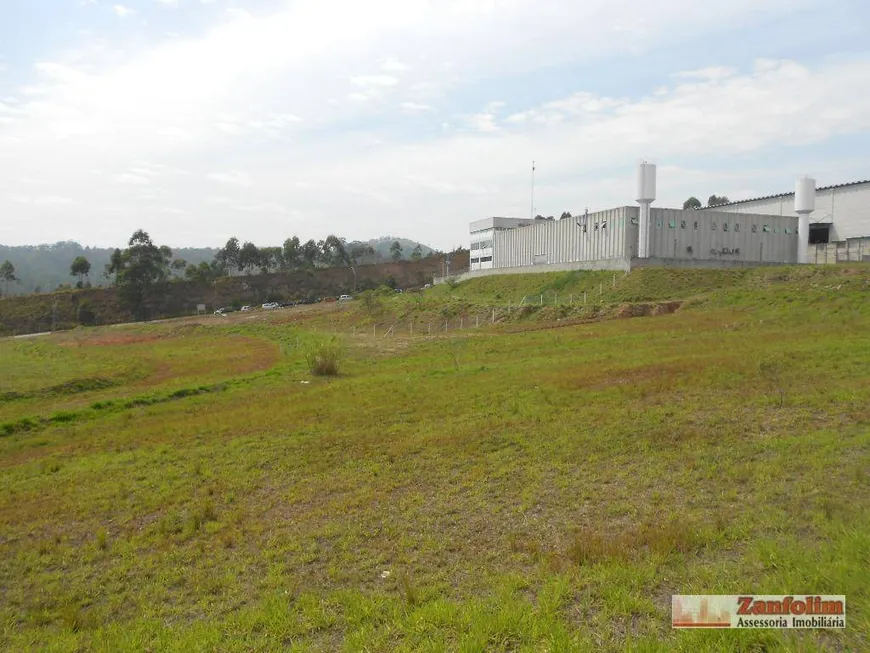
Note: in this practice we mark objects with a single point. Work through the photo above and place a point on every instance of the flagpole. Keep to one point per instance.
(532, 216)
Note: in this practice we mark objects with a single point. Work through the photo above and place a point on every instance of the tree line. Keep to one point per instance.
(41, 264)
(332, 251)
(693, 203)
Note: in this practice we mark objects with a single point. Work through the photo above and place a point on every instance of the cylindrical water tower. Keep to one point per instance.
(804, 204)
(646, 195)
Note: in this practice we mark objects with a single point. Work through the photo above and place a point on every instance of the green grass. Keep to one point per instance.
(503, 489)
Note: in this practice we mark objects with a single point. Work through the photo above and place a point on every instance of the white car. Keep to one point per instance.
(345, 298)
(268, 305)
(246, 308)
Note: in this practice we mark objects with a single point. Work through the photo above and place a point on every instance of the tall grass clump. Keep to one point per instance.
(323, 355)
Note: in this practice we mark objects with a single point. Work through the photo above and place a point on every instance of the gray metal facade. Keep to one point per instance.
(609, 239)
(595, 237)
(723, 236)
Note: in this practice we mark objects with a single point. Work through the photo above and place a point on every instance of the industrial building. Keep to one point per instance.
(839, 227)
(766, 231)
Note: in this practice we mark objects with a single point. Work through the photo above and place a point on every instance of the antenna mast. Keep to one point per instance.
(532, 216)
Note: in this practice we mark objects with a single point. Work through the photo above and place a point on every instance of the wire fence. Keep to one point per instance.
(472, 319)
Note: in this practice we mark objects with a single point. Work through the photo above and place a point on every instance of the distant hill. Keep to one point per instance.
(382, 246)
(42, 268)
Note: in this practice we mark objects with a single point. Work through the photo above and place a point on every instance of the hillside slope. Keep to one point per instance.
(190, 485)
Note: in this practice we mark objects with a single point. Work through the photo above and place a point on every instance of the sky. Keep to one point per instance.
(199, 120)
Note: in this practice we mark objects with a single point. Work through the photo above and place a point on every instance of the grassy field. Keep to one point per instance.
(529, 485)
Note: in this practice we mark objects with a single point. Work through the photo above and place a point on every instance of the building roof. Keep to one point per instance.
(770, 197)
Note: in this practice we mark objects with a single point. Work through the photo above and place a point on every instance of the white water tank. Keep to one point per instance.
(646, 195)
(804, 204)
(805, 195)
(646, 183)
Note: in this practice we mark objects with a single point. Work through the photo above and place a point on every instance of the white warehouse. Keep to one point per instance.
(766, 231)
(839, 226)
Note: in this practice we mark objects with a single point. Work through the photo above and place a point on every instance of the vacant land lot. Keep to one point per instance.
(522, 486)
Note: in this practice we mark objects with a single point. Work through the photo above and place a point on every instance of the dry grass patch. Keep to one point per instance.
(676, 536)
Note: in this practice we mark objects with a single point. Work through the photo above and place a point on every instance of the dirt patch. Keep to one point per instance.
(648, 309)
(108, 339)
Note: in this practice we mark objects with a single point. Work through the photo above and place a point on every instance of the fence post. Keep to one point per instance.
(571, 299)
(493, 316)
(430, 328)
(476, 321)
(446, 322)
(460, 324)
(600, 289)
(584, 296)
(374, 326)
(614, 281)
(542, 299)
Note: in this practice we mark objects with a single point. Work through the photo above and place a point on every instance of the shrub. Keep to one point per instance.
(323, 356)
(370, 302)
(102, 539)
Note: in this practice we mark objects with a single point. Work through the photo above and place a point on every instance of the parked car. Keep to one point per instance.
(399, 290)
(221, 311)
(269, 305)
(428, 285)
(246, 308)
(345, 298)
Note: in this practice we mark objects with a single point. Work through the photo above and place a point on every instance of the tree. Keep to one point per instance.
(271, 258)
(692, 203)
(7, 275)
(249, 257)
(204, 272)
(115, 264)
(396, 250)
(417, 253)
(80, 268)
(229, 254)
(292, 254)
(566, 215)
(143, 271)
(310, 253)
(334, 251)
(714, 200)
(362, 253)
(178, 266)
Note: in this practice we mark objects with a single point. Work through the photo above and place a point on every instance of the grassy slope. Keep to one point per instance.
(546, 490)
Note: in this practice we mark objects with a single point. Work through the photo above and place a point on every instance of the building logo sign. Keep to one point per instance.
(725, 251)
(758, 611)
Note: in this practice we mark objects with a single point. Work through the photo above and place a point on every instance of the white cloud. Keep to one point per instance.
(235, 178)
(290, 96)
(122, 11)
(394, 66)
(712, 73)
(131, 178)
(374, 80)
(415, 107)
(168, 3)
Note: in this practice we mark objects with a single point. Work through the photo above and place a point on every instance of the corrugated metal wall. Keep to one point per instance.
(847, 207)
(598, 236)
(717, 235)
